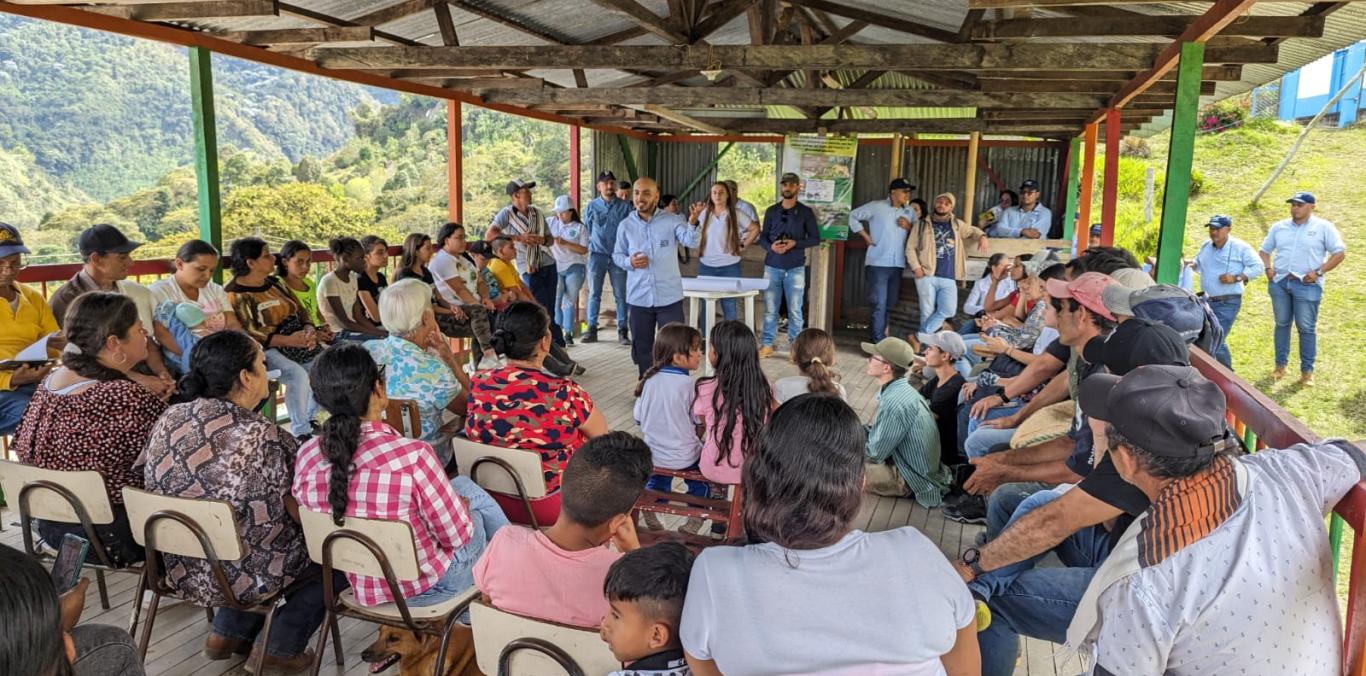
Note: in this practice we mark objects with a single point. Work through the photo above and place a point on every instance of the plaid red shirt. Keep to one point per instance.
(394, 479)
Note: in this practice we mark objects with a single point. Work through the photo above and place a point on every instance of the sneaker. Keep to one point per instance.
(623, 338)
(650, 521)
(968, 510)
(568, 340)
(578, 370)
(765, 352)
(1307, 379)
(693, 526)
(591, 336)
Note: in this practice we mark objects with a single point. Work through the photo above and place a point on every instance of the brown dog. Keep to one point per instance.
(416, 655)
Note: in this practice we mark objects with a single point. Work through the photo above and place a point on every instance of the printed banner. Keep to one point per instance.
(826, 167)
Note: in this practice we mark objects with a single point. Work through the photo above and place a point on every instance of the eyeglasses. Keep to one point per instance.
(880, 360)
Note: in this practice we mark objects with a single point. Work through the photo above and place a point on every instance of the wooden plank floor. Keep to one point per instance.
(180, 630)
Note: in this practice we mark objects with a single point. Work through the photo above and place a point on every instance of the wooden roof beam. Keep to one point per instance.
(1080, 86)
(786, 96)
(895, 23)
(1135, 25)
(722, 13)
(1231, 73)
(1051, 4)
(302, 36)
(967, 57)
(646, 19)
(930, 126)
(446, 24)
(188, 11)
(318, 17)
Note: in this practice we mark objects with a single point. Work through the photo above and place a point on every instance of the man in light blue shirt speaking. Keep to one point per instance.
(1306, 248)
(647, 248)
(1225, 264)
(602, 216)
(889, 221)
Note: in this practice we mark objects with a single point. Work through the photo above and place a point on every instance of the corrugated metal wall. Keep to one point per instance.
(1015, 165)
(607, 155)
(679, 163)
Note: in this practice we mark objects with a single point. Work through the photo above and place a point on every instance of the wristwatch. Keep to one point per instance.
(970, 558)
(1004, 398)
(1319, 272)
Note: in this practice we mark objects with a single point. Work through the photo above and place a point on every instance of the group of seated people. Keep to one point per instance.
(1092, 343)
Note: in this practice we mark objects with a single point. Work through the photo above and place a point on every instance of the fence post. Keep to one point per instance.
(1180, 159)
(206, 150)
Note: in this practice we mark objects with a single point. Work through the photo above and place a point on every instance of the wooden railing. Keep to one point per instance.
(1264, 424)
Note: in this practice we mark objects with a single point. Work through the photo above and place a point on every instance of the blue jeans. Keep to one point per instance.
(792, 284)
(13, 403)
(938, 301)
(1227, 312)
(102, 650)
(567, 293)
(600, 265)
(980, 440)
(1298, 302)
(884, 291)
(542, 284)
(728, 311)
(298, 392)
(1038, 602)
(487, 518)
(295, 621)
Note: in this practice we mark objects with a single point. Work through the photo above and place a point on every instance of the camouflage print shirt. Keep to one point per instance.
(513, 407)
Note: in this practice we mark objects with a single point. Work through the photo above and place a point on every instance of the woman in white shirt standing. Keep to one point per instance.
(570, 250)
(886, 602)
(726, 232)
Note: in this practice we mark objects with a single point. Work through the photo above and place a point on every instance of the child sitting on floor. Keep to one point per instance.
(645, 590)
(664, 412)
(555, 575)
(732, 406)
(814, 355)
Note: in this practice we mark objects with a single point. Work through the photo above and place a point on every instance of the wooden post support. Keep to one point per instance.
(575, 167)
(1088, 176)
(1069, 214)
(1180, 158)
(898, 155)
(206, 150)
(455, 163)
(1109, 201)
(970, 193)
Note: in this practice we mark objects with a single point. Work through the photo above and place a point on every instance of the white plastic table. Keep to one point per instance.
(705, 291)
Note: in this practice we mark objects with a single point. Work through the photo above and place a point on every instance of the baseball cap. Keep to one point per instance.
(1137, 342)
(1088, 289)
(1173, 307)
(1302, 196)
(10, 241)
(1040, 260)
(562, 203)
(1171, 411)
(1128, 282)
(1029, 184)
(104, 238)
(900, 184)
(790, 177)
(894, 350)
(1096, 228)
(948, 341)
(607, 176)
(517, 184)
(1219, 221)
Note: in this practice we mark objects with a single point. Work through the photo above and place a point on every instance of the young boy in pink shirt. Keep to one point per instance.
(557, 575)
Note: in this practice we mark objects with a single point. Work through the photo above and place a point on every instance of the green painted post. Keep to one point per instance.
(703, 174)
(629, 157)
(1180, 158)
(206, 150)
(1335, 525)
(1069, 213)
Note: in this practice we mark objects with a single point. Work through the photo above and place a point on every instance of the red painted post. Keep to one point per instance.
(1110, 194)
(455, 163)
(575, 166)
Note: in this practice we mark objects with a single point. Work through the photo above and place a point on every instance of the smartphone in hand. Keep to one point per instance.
(66, 570)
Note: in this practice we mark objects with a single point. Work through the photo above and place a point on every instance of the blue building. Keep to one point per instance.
(1305, 91)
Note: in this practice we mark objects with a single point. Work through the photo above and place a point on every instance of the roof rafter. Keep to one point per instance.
(882, 20)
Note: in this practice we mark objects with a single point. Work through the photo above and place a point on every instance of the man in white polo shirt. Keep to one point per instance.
(1306, 248)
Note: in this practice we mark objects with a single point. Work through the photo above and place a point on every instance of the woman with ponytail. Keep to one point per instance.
(360, 467)
(88, 415)
(814, 354)
(522, 406)
(212, 444)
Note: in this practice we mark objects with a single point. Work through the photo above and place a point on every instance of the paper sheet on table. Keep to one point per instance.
(737, 284)
(32, 355)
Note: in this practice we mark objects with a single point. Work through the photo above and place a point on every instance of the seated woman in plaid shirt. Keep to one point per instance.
(389, 477)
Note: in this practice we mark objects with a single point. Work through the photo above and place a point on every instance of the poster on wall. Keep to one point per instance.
(826, 167)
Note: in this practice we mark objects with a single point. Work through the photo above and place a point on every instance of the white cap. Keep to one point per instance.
(562, 204)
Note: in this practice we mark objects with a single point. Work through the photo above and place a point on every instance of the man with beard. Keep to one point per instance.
(647, 248)
(937, 254)
(789, 230)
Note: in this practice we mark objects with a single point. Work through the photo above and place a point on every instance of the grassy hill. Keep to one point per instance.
(1230, 166)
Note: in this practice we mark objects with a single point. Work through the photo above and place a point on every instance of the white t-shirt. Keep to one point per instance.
(575, 232)
(213, 300)
(1256, 595)
(977, 298)
(795, 386)
(331, 285)
(715, 253)
(444, 266)
(883, 603)
(664, 413)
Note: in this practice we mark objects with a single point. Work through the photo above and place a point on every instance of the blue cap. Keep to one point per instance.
(1302, 196)
(900, 184)
(1029, 184)
(1096, 228)
(1219, 221)
(10, 241)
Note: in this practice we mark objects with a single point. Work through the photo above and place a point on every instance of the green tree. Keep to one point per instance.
(308, 170)
(303, 211)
